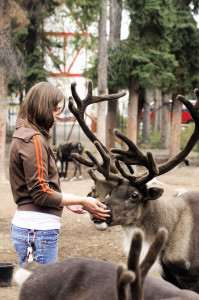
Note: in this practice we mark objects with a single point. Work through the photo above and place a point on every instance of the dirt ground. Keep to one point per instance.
(78, 237)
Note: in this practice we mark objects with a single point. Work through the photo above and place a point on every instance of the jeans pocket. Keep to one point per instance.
(19, 240)
(19, 233)
(50, 238)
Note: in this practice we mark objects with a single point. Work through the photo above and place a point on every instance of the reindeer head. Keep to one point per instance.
(120, 189)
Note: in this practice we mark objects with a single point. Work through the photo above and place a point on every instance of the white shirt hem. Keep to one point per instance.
(36, 220)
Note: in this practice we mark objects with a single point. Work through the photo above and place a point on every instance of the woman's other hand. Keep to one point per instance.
(76, 209)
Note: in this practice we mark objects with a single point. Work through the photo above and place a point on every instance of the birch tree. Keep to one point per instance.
(146, 117)
(166, 125)
(5, 54)
(115, 32)
(175, 128)
(102, 72)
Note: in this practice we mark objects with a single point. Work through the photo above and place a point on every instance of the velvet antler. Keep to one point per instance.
(111, 165)
(141, 269)
(130, 280)
(107, 168)
(133, 156)
(81, 106)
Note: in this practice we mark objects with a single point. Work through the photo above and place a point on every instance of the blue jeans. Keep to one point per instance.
(46, 242)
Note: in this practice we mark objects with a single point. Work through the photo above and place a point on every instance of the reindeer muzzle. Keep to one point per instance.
(101, 224)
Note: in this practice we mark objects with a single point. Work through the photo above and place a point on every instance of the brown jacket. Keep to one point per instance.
(34, 177)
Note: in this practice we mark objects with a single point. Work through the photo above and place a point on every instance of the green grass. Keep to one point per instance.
(155, 141)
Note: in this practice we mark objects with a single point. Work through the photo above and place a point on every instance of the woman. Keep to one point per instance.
(35, 182)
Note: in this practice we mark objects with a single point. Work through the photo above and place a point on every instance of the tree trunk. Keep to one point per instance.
(141, 99)
(175, 128)
(102, 73)
(132, 122)
(115, 30)
(115, 21)
(111, 122)
(4, 72)
(166, 122)
(157, 116)
(146, 117)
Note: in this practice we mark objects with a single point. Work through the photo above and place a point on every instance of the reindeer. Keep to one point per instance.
(133, 204)
(84, 279)
(64, 156)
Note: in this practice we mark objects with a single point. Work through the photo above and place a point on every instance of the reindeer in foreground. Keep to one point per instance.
(85, 279)
(64, 156)
(133, 204)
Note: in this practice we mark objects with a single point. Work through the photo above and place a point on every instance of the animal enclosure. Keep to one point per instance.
(78, 237)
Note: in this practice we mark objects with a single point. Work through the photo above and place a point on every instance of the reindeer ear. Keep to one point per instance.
(102, 186)
(154, 193)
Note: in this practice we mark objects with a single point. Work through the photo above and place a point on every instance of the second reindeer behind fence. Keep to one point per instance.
(64, 153)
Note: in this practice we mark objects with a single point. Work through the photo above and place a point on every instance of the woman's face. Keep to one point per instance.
(57, 111)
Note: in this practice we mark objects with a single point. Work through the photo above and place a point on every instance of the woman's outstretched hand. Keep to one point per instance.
(96, 208)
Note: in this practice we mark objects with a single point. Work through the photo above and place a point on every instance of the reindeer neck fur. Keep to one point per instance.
(174, 214)
(165, 212)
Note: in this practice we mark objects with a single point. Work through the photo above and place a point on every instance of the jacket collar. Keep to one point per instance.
(24, 131)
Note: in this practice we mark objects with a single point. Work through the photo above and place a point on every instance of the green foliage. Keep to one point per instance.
(91, 72)
(155, 140)
(32, 43)
(155, 137)
(162, 49)
(185, 47)
(86, 11)
(151, 22)
(127, 60)
(145, 54)
(19, 37)
(122, 124)
(186, 132)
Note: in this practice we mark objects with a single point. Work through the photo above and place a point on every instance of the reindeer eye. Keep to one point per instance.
(134, 197)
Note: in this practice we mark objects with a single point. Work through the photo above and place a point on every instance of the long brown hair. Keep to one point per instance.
(38, 106)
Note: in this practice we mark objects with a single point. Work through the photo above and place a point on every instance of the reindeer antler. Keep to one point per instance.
(79, 111)
(82, 105)
(136, 271)
(124, 278)
(111, 178)
(107, 167)
(141, 269)
(133, 156)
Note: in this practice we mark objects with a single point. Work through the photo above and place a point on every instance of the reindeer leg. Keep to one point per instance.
(66, 170)
(76, 167)
(62, 167)
(80, 172)
(59, 172)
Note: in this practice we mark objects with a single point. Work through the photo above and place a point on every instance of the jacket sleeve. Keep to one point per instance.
(34, 155)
